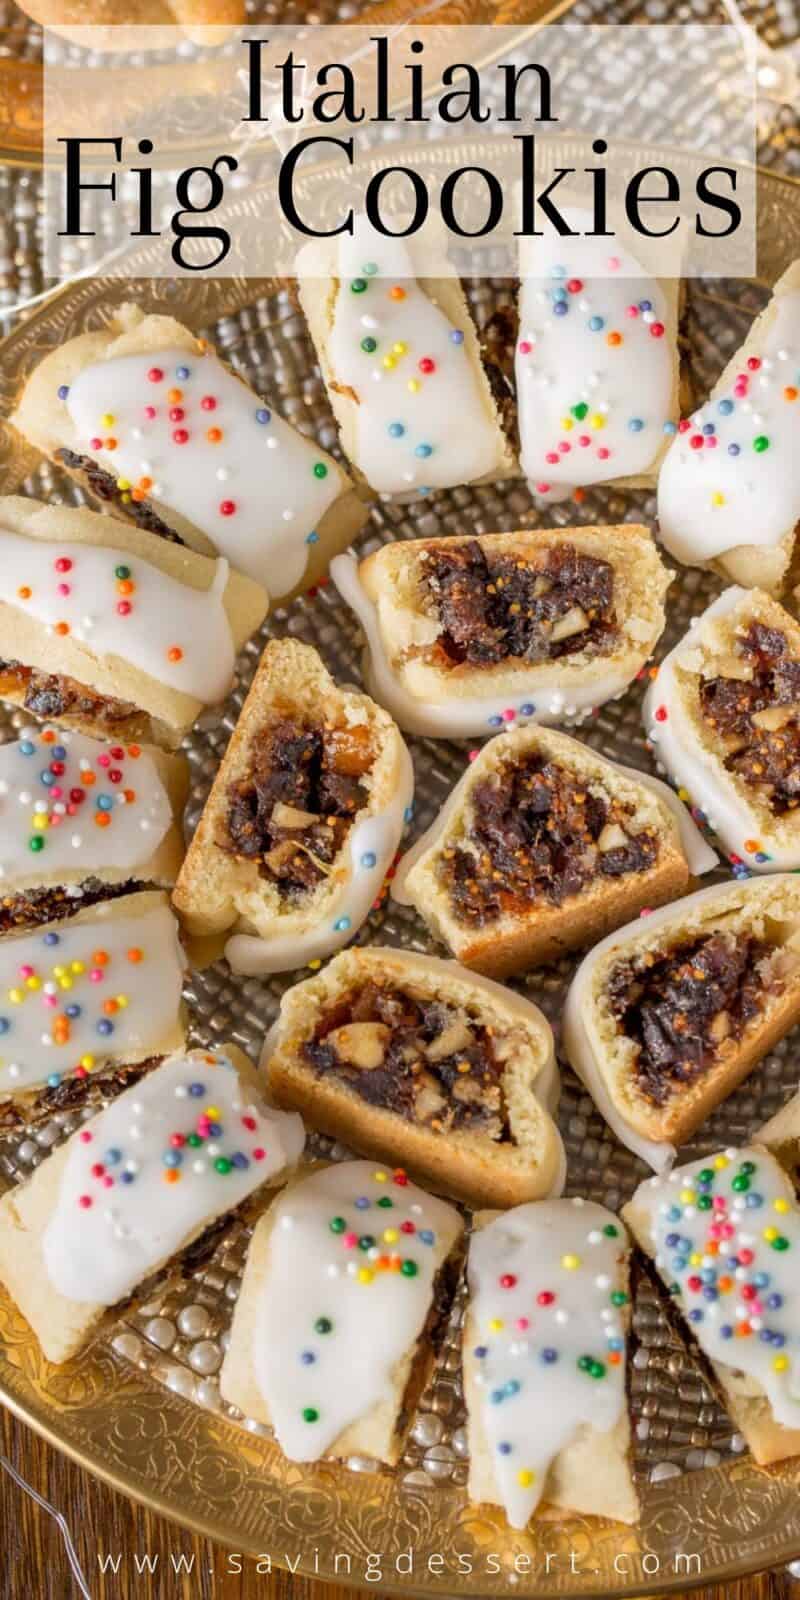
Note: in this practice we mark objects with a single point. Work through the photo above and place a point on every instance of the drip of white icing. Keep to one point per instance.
(735, 1264)
(531, 1360)
(41, 775)
(336, 1314)
(216, 455)
(594, 362)
(370, 849)
(700, 857)
(733, 477)
(459, 717)
(712, 791)
(177, 634)
(118, 1215)
(423, 417)
(78, 994)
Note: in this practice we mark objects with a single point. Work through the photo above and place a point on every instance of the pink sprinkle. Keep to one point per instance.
(155, 374)
(150, 412)
(104, 760)
(108, 1181)
(728, 1230)
(472, 755)
(56, 792)
(631, 311)
(50, 1000)
(603, 454)
(745, 1256)
(85, 1201)
(712, 442)
(250, 1123)
(26, 971)
(350, 1240)
(124, 608)
(584, 440)
(719, 1202)
(208, 403)
(523, 1323)
(542, 488)
(96, 975)
(95, 444)
(525, 347)
(646, 911)
(259, 1154)
(62, 588)
(551, 458)
(86, 1136)
(564, 447)
(509, 715)
(614, 263)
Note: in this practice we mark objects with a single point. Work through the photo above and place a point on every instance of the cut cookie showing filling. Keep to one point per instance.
(545, 846)
(667, 1016)
(724, 718)
(303, 819)
(416, 1060)
(470, 635)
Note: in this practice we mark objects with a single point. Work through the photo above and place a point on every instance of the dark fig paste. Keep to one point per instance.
(52, 695)
(760, 717)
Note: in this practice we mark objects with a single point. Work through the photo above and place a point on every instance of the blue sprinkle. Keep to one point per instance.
(126, 1177)
(761, 1279)
(549, 1355)
(47, 778)
(672, 1240)
(596, 323)
(423, 451)
(635, 425)
(456, 336)
(559, 293)
(308, 1358)
(496, 1396)
(755, 1201)
(26, 748)
(182, 372)
(761, 857)
(105, 802)
(708, 1275)
(63, 391)
(779, 1340)
(426, 1236)
(726, 1331)
(512, 1387)
(197, 1088)
(765, 1336)
(734, 450)
(312, 538)
(58, 752)
(263, 416)
(480, 1352)
(214, 1130)
(51, 939)
(173, 1158)
(674, 1213)
(112, 1156)
(560, 308)
(709, 429)
(4, 1025)
(709, 1293)
(725, 408)
(695, 1316)
(240, 1160)
(495, 722)
(616, 1344)
(369, 859)
(341, 925)
(775, 1302)
(558, 272)
(105, 1027)
(396, 430)
(504, 1448)
(362, 1203)
(645, 305)
(527, 710)
(670, 427)
(73, 1011)
(408, 813)
(54, 1080)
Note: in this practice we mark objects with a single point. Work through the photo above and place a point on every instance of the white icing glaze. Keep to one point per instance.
(679, 750)
(699, 855)
(74, 588)
(594, 362)
(374, 1296)
(735, 1262)
(214, 446)
(416, 426)
(547, 1289)
(728, 491)
(57, 787)
(370, 848)
(456, 717)
(77, 995)
(120, 1162)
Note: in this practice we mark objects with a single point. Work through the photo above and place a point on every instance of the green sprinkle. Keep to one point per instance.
(358, 285)
(748, 1168)
(369, 269)
(741, 1183)
(585, 1363)
(704, 1202)
(310, 1414)
(610, 1230)
(36, 842)
(597, 1370)
(223, 1165)
(780, 1243)
(706, 1176)
(323, 1325)
(760, 443)
(409, 1269)
(195, 1140)
(619, 1298)
(122, 572)
(320, 469)
(579, 411)
(385, 1202)
(369, 344)
(366, 1242)
(338, 1224)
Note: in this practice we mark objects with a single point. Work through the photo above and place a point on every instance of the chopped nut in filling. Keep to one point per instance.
(31, 907)
(425, 1060)
(293, 810)
(687, 1008)
(754, 707)
(500, 608)
(537, 832)
(52, 695)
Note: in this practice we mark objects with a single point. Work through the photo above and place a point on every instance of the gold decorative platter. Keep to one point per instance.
(141, 1408)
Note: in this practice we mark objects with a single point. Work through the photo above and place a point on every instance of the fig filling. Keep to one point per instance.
(31, 907)
(425, 1060)
(293, 810)
(103, 485)
(52, 695)
(502, 608)
(754, 707)
(537, 833)
(687, 1008)
(71, 1092)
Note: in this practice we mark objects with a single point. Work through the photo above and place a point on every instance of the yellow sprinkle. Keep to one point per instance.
(33, 983)
(315, 965)
(65, 983)
(683, 794)
(695, 1259)
(717, 499)
(780, 1205)
(107, 420)
(597, 421)
(721, 1162)
(380, 1176)
(770, 1234)
(567, 423)
(525, 1477)
(58, 972)
(570, 1262)
(123, 483)
(780, 1364)
(122, 1001)
(496, 1325)
(413, 385)
(77, 967)
(390, 1235)
(40, 820)
(399, 348)
(389, 362)
(365, 1274)
(688, 1197)
(87, 1062)
(212, 1112)
(16, 996)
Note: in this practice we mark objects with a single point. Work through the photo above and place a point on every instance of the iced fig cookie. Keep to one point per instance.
(664, 1018)
(466, 636)
(596, 365)
(114, 631)
(80, 817)
(89, 994)
(543, 847)
(729, 487)
(134, 1186)
(302, 822)
(418, 407)
(156, 428)
(723, 718)
(416, 1060)
(724, 1236)
(544, 1362)
(344, 1298)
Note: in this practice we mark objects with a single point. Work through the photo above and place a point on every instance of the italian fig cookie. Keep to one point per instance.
(81, 818)
(664, 1018)
(148, 420)
(544, 1362)
(723, 718)
(724, 1236)
(417, 404)
(111, 630)
(416, 1060)
(469, 635)
(597, 369)
(729, 488)
(543, 847)
(134, 1186)
(344, 1298)
(302, 822)
(91, 993)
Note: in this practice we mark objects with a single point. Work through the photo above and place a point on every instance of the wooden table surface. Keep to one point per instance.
(34, 1563)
